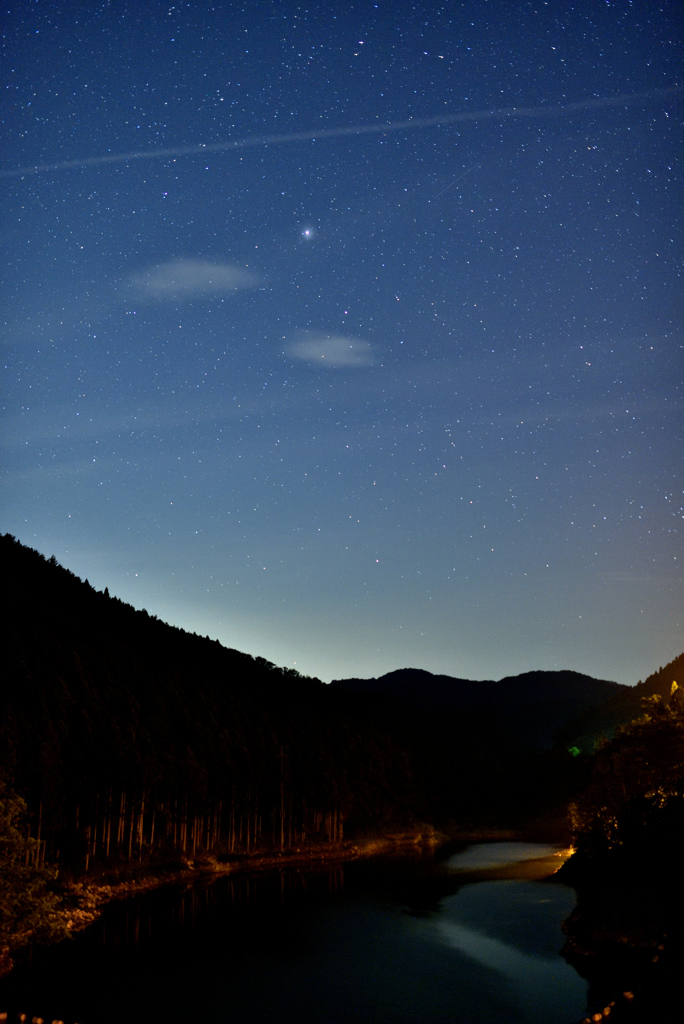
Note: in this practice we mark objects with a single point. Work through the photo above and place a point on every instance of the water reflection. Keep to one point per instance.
(197, 913)
(484, 856)
(388, 942)
(512, 928)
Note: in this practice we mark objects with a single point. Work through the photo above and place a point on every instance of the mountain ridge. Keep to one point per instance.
(531, 706)
(136, 742)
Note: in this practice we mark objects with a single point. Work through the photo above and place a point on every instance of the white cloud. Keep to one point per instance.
(187, 279)
(331, 350)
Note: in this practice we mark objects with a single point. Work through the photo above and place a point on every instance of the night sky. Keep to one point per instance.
(370, 394)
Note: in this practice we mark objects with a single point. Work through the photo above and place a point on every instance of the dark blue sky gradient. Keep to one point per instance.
(365, 401)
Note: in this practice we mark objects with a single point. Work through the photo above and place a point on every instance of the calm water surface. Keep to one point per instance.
(471, 939)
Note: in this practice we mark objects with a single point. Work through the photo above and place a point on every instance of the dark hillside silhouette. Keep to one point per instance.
(134, 742)
(660, 683)
(131, 739)
(629, 823)
(524, 710)
(595, 724)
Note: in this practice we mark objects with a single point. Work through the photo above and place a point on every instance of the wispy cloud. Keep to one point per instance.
(190, 278)
(333, 351)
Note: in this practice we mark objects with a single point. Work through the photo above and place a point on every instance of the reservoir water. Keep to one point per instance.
(470, 939)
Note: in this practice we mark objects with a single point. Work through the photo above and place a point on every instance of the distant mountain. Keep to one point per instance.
(527, 709)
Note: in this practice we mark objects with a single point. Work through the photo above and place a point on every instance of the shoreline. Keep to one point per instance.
(85, 900)
(91, 898)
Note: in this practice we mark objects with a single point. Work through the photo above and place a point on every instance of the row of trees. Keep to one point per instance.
(131, 827)
(133, 741)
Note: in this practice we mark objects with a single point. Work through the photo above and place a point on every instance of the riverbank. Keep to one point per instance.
(84, 899)
(355, 940)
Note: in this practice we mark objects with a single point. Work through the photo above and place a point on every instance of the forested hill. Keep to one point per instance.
(134, 742)
(660, 682)
(595, 724)
(127, 735)
(528, 708)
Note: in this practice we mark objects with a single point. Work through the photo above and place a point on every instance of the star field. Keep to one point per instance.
(354, 401)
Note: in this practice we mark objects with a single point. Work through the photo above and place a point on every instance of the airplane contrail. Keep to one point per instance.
(499, 114)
